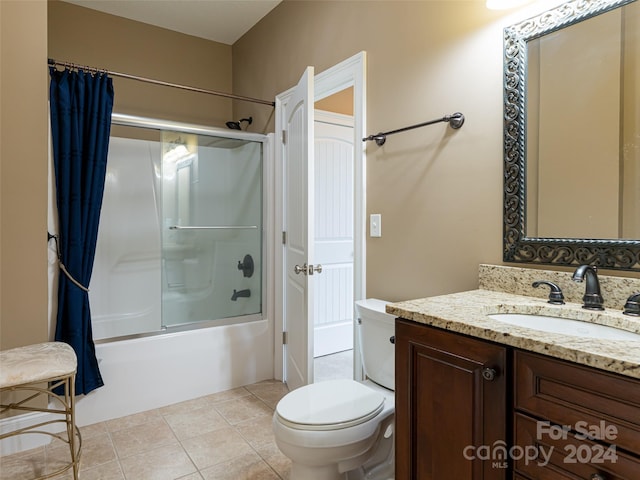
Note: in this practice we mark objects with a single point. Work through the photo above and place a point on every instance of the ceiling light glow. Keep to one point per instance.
(505, 4)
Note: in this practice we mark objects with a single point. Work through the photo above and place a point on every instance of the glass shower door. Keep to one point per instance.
(124, 292)
(211, 228)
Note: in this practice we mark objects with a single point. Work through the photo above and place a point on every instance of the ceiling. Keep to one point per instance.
(223, 21)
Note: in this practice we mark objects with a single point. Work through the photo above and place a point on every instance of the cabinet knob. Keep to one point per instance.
(490, 374)
(597, 476)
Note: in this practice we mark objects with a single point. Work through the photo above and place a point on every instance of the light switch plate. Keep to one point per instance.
(375, 225)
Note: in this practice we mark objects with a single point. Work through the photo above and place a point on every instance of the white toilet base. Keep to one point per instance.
(343, 429)
(305, 472)
(370, 459)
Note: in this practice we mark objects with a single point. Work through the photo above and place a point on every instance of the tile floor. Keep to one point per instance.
(337, 365)
(224, 436)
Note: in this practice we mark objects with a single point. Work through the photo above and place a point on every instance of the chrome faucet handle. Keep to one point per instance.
(632, 307)
(555, 295)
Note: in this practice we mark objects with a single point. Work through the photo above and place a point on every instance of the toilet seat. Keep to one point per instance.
(330, 405)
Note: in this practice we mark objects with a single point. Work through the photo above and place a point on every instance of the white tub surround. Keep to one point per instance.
(150, 372)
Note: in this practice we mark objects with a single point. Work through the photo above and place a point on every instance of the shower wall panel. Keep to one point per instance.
(181, 213)
(124, 293)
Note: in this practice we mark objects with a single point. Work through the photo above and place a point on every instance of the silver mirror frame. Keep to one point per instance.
(518, 248)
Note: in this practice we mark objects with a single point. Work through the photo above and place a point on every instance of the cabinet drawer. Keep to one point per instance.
(584, 399)
(562, 456)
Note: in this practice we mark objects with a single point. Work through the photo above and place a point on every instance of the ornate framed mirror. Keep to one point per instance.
(572, 136)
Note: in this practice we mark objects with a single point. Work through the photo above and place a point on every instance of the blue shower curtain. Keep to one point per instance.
(81, 104)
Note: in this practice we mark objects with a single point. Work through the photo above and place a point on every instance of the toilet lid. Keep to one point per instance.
(329, 405)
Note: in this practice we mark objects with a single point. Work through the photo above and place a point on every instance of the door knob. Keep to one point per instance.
(317, 268)
(307, 269)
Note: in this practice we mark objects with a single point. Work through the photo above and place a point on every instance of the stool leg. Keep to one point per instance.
(71, 425)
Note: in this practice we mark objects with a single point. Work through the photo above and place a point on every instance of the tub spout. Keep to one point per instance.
(241, 293)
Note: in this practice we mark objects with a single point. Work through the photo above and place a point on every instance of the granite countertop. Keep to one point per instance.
(466, 313)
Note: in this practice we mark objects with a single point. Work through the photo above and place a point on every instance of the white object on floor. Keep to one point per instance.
(343, 429)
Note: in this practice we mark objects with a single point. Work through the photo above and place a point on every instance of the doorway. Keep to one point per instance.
(349, 74)
(334, 246)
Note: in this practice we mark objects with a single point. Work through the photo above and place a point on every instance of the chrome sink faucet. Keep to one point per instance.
(592, 296)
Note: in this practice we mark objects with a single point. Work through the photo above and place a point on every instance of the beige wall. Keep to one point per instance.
(23, 173)
(439, 191)
(30, 32)
(88, 37)
(631, 115)
(339, 102)
(577, 138)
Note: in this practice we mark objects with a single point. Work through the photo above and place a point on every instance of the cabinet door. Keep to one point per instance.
(450, 400)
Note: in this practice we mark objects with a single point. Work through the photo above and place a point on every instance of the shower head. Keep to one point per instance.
(236, 125)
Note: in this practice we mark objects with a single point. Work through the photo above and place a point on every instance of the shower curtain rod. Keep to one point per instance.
(455, 120)
(52, 62)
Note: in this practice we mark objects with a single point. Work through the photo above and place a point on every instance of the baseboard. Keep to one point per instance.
(20, 443)
(332, 338)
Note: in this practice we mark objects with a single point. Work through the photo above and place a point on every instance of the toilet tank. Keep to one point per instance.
(375, 327)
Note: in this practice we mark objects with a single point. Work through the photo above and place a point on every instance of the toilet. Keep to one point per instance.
(343, 429)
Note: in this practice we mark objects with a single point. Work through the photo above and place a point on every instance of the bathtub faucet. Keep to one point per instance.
(241, 293)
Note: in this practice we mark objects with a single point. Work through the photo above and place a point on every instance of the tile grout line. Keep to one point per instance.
(235, 429)
(262, 402)
(272, 409)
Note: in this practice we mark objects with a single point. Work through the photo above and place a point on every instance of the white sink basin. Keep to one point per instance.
(565, 326)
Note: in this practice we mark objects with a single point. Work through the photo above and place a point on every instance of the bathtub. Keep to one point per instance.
(150, 372)
(150, 283)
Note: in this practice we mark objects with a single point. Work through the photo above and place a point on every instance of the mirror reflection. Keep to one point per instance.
(583, 129)
(572, 136)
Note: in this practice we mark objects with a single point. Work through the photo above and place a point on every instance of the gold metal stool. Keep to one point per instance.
(38, 370)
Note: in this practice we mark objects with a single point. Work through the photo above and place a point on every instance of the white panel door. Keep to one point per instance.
(297, 153)
(349, 73)
(334, 247)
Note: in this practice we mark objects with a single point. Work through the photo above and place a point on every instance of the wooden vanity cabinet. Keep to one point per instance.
(451, 393)
(455, 393)
(586, 420)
